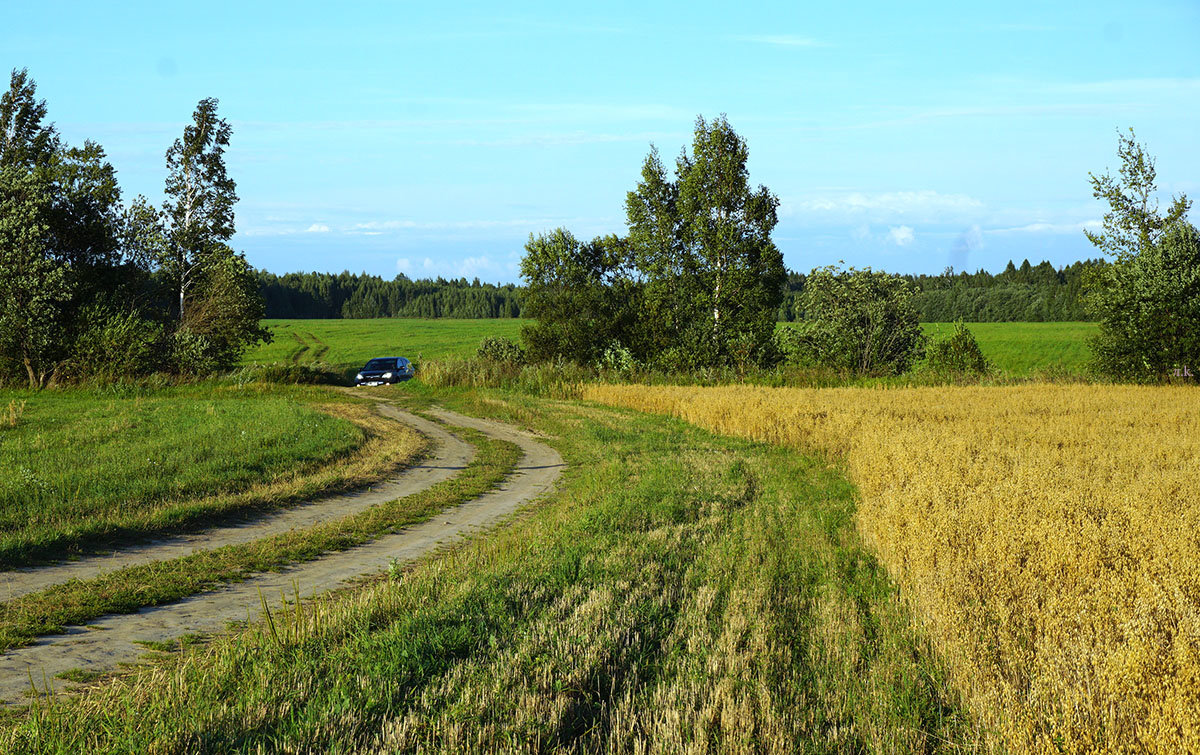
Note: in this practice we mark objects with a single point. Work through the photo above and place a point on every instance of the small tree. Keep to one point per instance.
(957, 352)
(580, 293)
(1149, 309)
(227, 310)
(861, 320)
(1148, 300)
(500, 349)
(1133, 223)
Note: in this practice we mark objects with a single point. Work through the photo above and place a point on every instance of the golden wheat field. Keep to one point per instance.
(1047, 538)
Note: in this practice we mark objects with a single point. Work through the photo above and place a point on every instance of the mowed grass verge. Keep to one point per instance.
(1047, 537)
(678, 590)
(85, 470)
(126, 590)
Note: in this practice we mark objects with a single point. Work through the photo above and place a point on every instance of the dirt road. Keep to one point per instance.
(111, 640)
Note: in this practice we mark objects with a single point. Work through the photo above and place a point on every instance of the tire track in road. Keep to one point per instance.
(449, 456)
(112, 640)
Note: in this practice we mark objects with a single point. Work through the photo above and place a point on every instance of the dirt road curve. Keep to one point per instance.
(113, 639)
(448, 456)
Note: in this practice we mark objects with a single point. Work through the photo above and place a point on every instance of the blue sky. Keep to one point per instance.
(432, 139)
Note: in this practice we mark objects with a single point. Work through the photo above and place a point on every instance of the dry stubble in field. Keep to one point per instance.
(1048, 538)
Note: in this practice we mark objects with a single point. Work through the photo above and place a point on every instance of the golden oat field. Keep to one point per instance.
(1046, 537)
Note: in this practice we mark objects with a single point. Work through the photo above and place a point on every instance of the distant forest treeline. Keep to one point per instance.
(324, 295)
(1021, 293)
(1024, 293)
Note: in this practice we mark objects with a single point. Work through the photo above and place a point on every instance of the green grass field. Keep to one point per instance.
(1020, 348)
(348, 344)
(126, 590)
(87, 468)
(1017, 348)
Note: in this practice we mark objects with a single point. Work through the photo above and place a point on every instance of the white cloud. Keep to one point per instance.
(784, 40)
(1180, 86)
(473, 266)
(970, 240)
(317, 228)
(885, 207)
(1090, 225)
(901, 235)
(483, 267)
(398, 225)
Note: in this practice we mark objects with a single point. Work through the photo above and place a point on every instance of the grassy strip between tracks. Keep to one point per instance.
(680, 591)
(126, 590)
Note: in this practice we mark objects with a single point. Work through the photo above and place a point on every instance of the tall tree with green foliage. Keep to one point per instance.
(219, 305)
(581, 293)
(200, 200)
(1133, 223)
(713, 279)
(656, 245)
(34, 287)
(60, 244)
(1148, 300)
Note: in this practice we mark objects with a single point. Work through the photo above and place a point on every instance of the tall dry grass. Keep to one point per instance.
(1047, 537)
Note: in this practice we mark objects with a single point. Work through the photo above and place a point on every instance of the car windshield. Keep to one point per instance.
(380, 364)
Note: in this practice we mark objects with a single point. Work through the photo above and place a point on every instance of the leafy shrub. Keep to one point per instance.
(500, 349)
(860, 320)
(790, 345)
(192, 354)
(617, 358)
(116, 344)
(957, 352)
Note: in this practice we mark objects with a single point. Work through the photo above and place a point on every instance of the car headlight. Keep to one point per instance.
(358, 376)
(387, 375)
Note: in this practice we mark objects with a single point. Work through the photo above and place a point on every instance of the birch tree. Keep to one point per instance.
(200, 200)
(1148, 301)
(713, 278)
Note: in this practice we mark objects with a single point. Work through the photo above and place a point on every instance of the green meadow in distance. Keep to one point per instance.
(348, 344)
(1017, 348)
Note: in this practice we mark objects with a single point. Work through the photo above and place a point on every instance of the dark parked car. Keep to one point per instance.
(381, 370)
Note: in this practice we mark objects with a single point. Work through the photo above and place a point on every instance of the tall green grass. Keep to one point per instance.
(80, 467)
